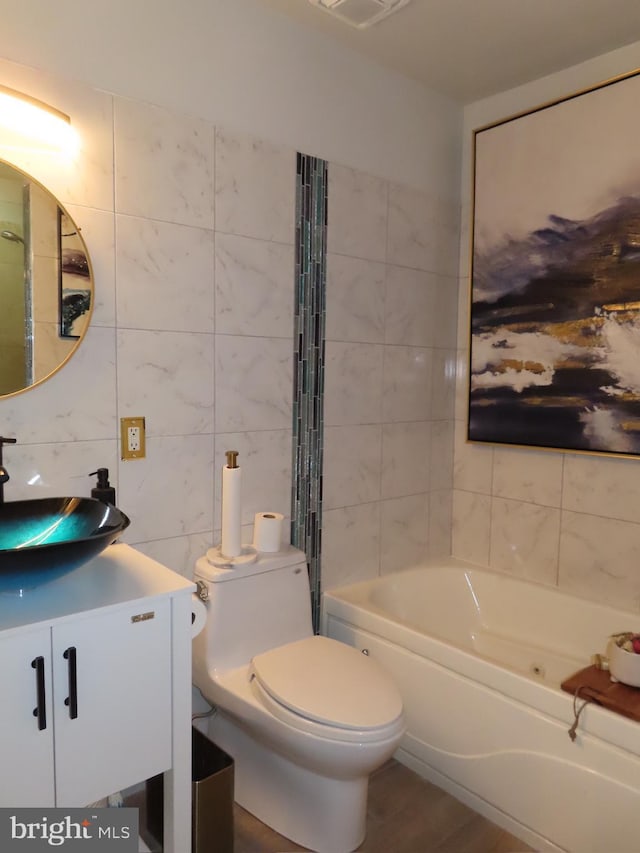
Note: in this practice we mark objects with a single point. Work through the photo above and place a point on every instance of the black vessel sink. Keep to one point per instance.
(45, 538)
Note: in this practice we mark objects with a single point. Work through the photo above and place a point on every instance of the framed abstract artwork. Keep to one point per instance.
(555, 277)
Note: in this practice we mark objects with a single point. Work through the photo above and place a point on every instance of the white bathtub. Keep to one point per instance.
(479, 658)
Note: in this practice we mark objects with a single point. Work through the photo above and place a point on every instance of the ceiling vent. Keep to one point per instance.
(360, 13)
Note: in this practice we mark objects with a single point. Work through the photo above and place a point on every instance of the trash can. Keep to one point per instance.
(211, 798)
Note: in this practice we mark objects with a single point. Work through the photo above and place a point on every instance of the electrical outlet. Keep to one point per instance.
(132, 438)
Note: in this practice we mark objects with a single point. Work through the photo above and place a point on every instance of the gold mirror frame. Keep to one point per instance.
(46, 282)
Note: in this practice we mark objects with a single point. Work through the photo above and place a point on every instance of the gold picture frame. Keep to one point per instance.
(555, 277)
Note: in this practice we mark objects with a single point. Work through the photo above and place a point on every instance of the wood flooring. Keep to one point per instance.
(405, 814)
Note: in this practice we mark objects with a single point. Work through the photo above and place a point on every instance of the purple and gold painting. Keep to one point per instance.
(555, 284)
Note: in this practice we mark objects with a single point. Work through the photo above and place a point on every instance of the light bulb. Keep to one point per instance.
(27, 117)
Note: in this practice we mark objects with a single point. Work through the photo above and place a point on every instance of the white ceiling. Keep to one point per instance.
(469, 49)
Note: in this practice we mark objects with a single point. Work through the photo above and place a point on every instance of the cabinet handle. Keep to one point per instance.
(72, 699)
(40, 711)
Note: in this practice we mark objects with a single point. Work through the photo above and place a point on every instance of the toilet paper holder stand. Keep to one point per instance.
(202, 590)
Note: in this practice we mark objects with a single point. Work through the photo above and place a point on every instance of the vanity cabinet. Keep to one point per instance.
(112, 728)
(96, 695)
(95, 692)
(26, 748)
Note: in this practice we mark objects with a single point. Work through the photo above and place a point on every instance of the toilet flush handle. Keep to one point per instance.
(365, 652)
(202, 591)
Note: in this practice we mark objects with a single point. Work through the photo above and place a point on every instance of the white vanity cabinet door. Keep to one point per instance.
(121, 733)
(26, 742)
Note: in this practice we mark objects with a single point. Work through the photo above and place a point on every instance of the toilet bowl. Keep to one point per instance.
(306, 718)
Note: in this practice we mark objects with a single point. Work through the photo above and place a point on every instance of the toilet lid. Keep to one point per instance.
(328, 682)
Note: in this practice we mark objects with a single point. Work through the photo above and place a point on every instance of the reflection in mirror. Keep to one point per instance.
(46, 285)
(75, 280)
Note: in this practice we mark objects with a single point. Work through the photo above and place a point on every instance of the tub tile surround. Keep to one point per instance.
(406, 384)
(524, 539)
(352, 456)
(565, 519)
(405, 459)
(404, 532)
(422, 231)
(598, 558)
(471, 527)
(535, 478)
(390, 376)
(357, 215)
(410, 315)
(441, 455)
(350, 543)
(353, 387)
(355, 299)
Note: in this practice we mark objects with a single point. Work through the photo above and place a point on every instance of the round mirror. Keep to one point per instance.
(46, 283)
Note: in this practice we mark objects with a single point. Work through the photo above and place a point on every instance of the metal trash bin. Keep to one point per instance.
(212, 772)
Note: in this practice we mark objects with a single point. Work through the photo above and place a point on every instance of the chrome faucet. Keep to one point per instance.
(4, 474)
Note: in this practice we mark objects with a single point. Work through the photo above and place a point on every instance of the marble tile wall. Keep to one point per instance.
(569, 520)
(565, 519)
(191, 233)
(390, 376)
(190, 229)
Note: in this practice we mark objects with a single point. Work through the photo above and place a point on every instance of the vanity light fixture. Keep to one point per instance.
(27, 117)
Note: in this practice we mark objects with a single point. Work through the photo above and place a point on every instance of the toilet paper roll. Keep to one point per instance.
(198, 615)
(267, 531)
(231, 544)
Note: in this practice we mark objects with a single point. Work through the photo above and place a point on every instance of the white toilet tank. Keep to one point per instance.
(251, 609)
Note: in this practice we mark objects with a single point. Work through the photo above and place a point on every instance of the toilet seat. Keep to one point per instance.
(325, 687)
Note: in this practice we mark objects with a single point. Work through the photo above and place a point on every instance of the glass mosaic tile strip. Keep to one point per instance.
(309, 356)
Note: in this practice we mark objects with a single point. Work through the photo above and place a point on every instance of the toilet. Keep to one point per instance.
(305, 718)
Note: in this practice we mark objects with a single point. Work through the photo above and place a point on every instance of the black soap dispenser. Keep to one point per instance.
(102, 490)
